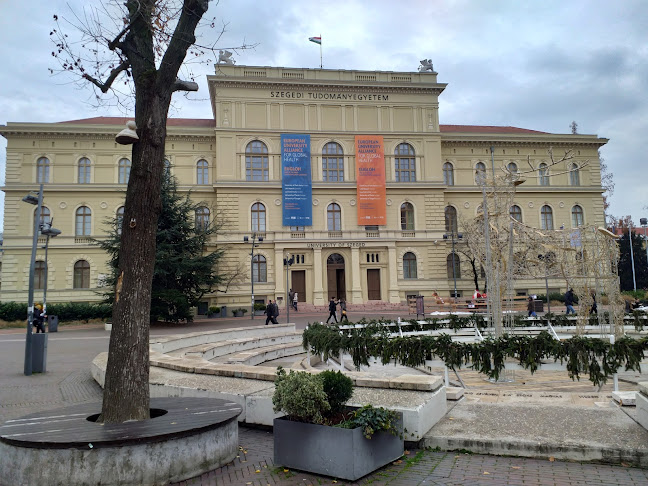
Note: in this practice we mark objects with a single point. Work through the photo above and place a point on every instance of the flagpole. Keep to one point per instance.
(321, 52)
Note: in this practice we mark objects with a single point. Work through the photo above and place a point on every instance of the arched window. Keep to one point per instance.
(516, 213)
(83, 219)
(258, 217)
(407, 216)
(409, 265)
(546, 218)
(448, 174)
(42, 170)
(256, 161)
(543, 174)
(334, 217)
(82, 275)
(202, 173)
(574, 175)
(453, 265)
(202, 219)
(45, 216)
(480, 173)
(451, 219)
(39, 274)
(578, 219)
(259, 269)
(512, 167)
(405, 163)
(332, 163)
(119, 219)
(124, 171)
(84, 171)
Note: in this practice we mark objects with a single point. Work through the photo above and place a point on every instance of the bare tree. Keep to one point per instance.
(145, 50)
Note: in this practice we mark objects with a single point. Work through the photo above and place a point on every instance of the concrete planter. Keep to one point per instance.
(108, 326)
(332, 451)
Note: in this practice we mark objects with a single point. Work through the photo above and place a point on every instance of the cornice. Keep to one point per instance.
(321, 85)
(94, 132)
(515, 139)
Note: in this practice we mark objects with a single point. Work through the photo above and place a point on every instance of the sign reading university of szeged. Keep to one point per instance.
(317, 95)
(296, 181)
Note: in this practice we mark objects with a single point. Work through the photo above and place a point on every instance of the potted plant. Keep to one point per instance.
(259, 309)
(239, 312)
(213, 311)
(319, 434)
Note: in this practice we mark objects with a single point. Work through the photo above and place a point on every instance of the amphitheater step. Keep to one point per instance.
(254, 357)
(210, 351)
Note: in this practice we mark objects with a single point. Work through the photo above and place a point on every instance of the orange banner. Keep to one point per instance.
(370, 176)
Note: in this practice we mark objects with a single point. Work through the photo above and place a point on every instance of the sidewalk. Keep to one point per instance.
(68, 382)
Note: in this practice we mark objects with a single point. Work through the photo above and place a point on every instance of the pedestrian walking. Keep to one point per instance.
(594, 309)
(343, 311)
(275, 312)
(569, 302)
(332, 307)
(295, 300)
(39, 318)
(531, 307)
(269, 312)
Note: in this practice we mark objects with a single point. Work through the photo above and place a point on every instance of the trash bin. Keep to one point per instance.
(39, 352)
(538, 306)
(52, 323)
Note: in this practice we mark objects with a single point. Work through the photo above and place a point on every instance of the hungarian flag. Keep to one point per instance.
(316, 40)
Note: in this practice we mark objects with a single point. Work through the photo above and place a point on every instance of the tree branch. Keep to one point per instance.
(105, 86)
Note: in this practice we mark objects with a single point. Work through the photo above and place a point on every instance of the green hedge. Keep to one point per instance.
(71, 311)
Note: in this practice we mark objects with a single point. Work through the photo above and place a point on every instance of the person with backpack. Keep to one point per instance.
(332, 307)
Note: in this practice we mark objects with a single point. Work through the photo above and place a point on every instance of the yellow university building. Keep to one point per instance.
(349, 172)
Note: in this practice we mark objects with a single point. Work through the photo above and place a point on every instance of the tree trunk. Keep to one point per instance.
(126, 392)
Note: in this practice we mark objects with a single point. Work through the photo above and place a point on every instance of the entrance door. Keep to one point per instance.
(373, 284)
(335, 276)
(299, 284)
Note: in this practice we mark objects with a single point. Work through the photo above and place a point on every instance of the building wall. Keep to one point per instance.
(259, 104)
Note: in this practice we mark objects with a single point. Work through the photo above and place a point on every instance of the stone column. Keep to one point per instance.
(394, 298)
(318, 289)
(356, 288)
(280, 275)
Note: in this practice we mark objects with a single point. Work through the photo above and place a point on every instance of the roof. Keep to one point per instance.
(118, 120)
(484, 129)
(208, 122)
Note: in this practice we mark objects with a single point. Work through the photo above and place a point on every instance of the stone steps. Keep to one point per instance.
(254, 357)
(209, 351)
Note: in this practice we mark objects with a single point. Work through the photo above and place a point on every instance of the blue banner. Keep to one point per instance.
(296, 184)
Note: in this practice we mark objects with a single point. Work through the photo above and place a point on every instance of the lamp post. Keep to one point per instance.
(38, 202)
(454, 256)
(49, 232)
(287, 263)
(634, 279)
(255, 238)
(546, 258)
(644, 224)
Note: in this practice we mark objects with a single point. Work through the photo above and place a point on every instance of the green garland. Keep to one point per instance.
(593, 356)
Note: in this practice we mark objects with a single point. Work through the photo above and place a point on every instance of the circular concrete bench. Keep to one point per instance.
(185, 438)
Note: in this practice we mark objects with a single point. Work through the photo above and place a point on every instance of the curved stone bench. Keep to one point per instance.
(188, 437)
(210, 351)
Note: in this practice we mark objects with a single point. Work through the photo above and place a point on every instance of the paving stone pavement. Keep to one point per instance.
(68, 382)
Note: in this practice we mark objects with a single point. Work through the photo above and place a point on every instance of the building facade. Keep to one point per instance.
(235, 163)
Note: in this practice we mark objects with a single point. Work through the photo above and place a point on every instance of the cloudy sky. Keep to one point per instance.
(531, 64)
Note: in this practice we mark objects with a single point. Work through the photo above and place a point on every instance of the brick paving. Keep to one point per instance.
(254, 466)
(68, 382)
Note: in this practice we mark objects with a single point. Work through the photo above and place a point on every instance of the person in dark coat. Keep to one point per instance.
(531, 307)
(332, 307)
(275, 312)
(39, 318)
(594, 309)
(343, 311)
(269, 312)
(569, 302)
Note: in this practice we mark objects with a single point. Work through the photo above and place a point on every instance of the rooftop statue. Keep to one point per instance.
(426, 65)
(225, 57)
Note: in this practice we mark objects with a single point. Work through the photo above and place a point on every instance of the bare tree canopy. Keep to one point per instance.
(143, 45)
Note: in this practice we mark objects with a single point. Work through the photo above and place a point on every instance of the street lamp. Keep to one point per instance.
(454, 256)
(287, 263)
(49, 232)
(255, 238)
(634, 279)
(36, 200)
(644, 223)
